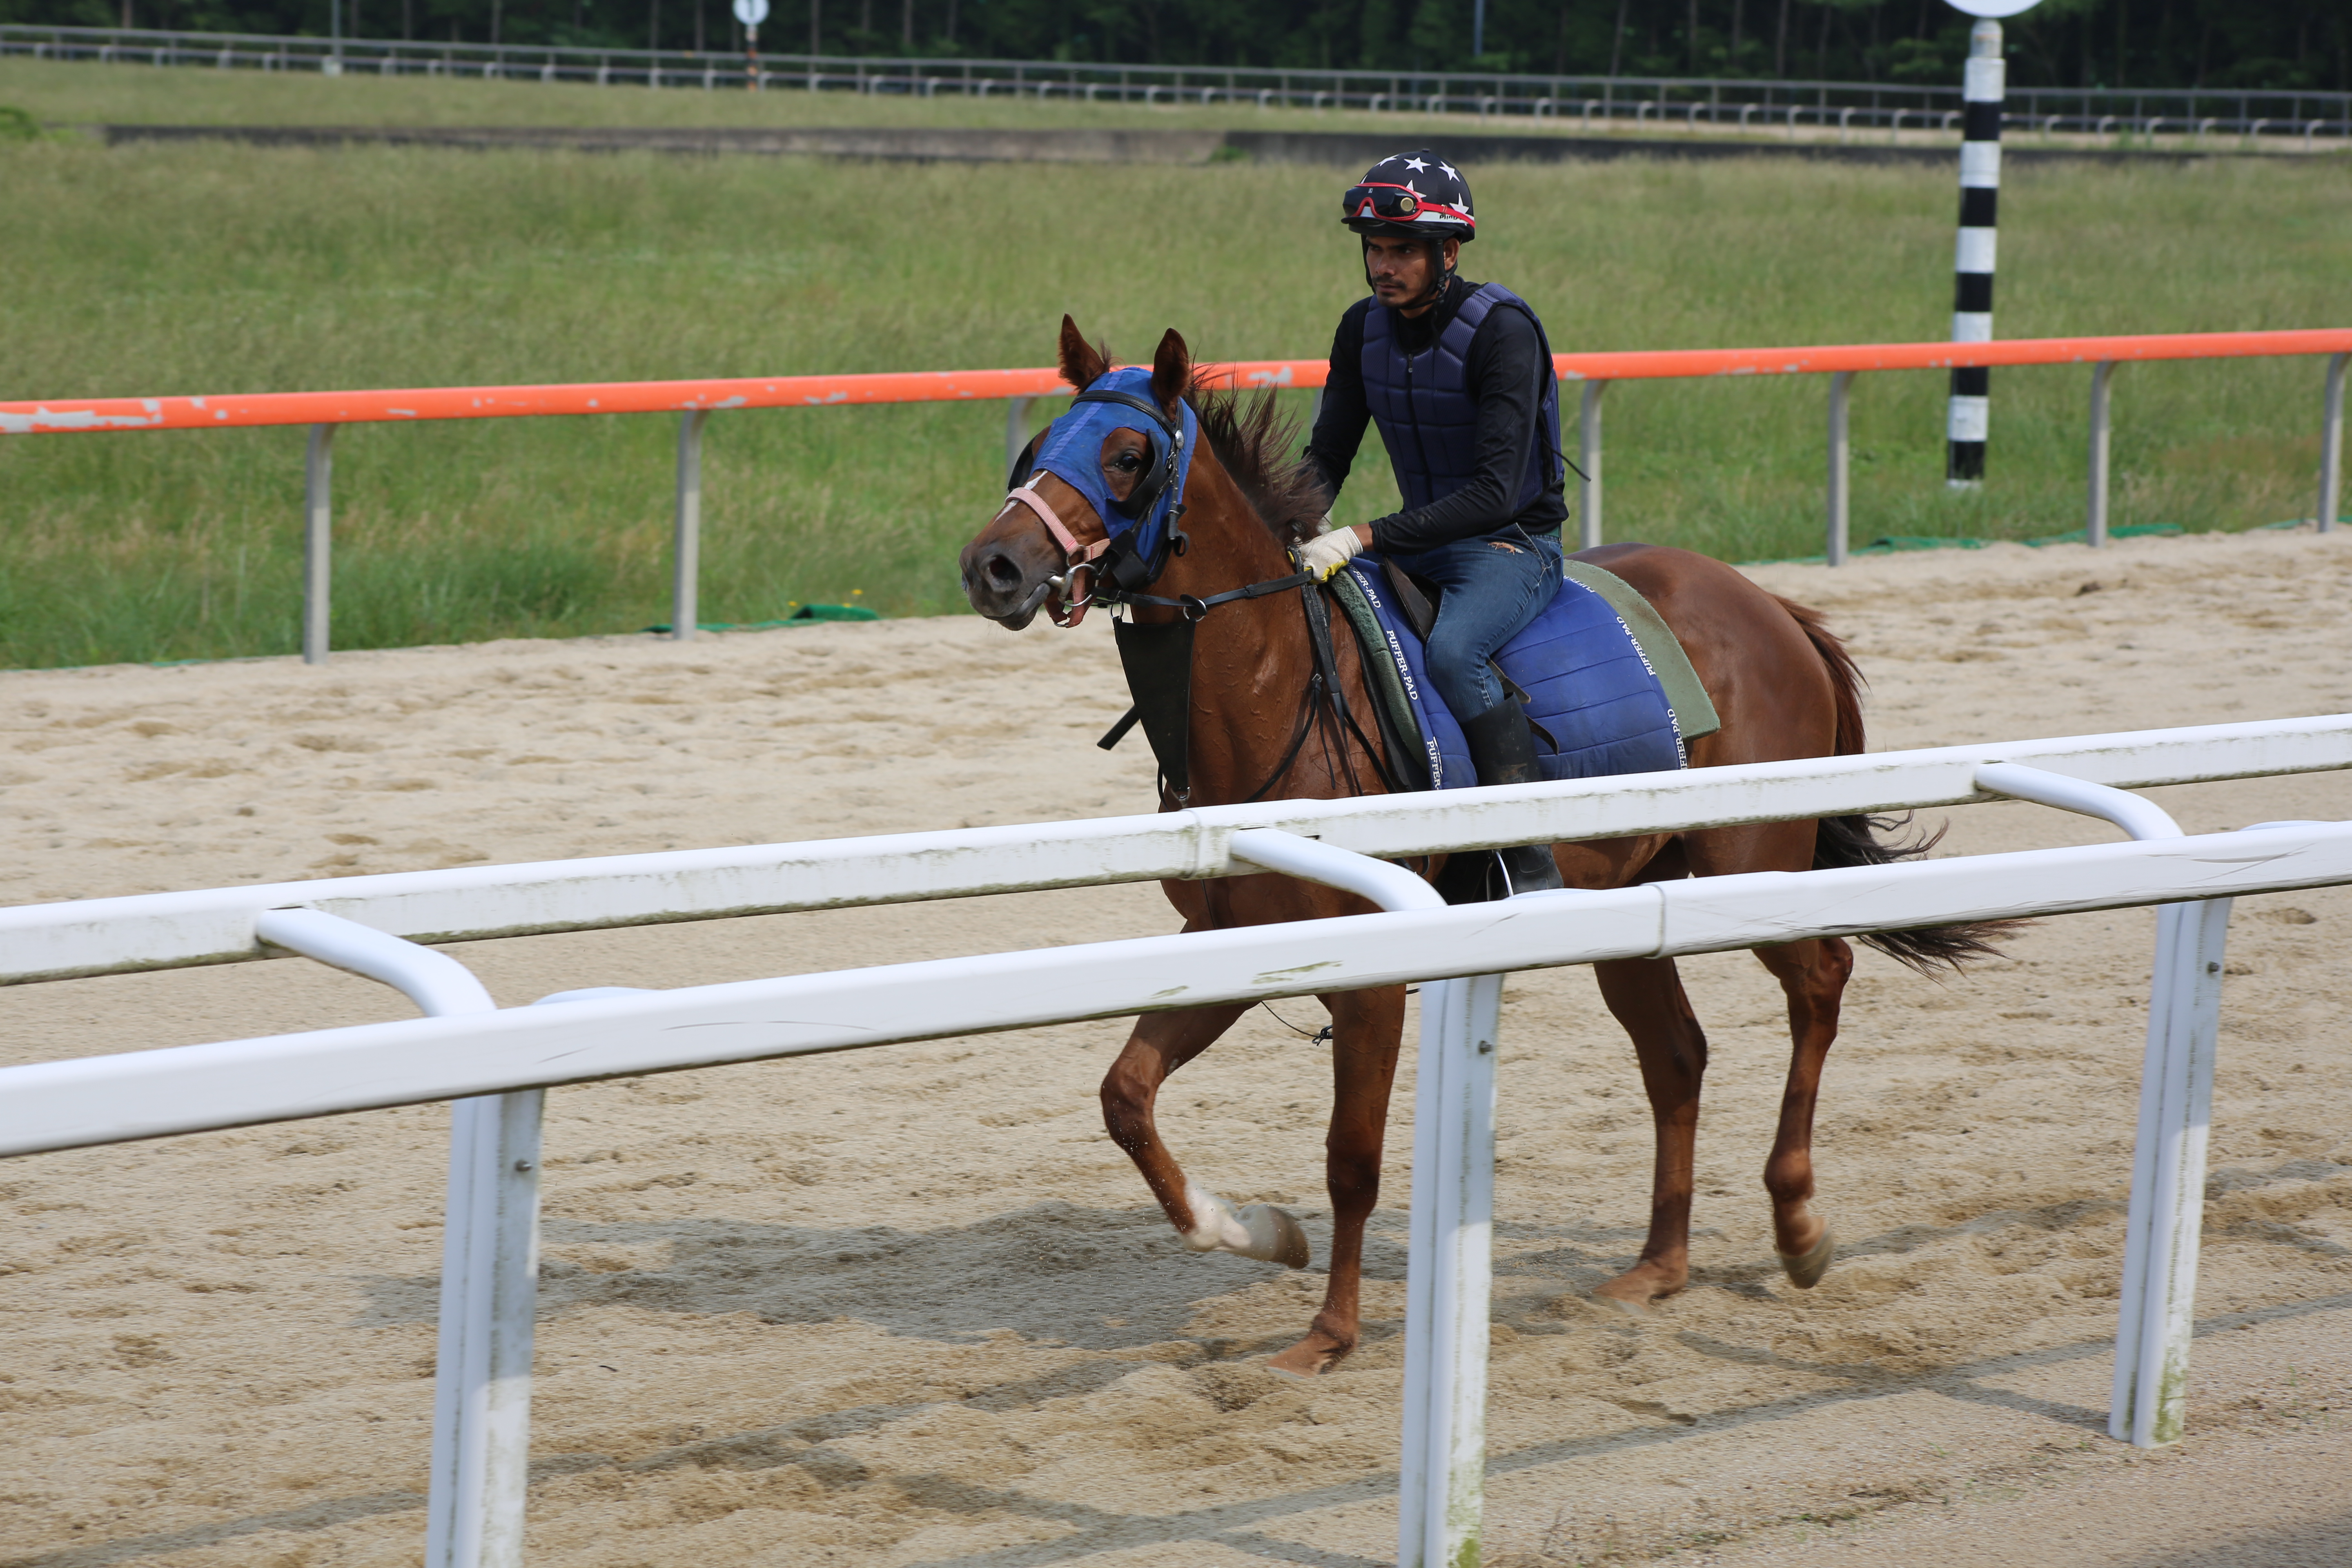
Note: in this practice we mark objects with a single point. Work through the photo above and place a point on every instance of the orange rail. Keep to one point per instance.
(1654, 364)
(63, 417)
(68, 415)
(324, 411)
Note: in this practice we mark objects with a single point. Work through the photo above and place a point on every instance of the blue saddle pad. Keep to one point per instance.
(1589, 687)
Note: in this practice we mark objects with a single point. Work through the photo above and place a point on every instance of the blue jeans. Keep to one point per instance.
(1494, 586)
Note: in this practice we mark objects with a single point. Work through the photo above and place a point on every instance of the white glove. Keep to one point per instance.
(1327, 553)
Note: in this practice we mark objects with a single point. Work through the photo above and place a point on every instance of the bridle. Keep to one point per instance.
(1117, 556)
(1076, 558)
(1160, 477)
(1116, 570)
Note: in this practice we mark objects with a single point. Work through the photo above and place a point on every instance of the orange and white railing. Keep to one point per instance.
(695, 401)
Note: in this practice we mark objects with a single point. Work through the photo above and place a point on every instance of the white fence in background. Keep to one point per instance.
(497, 1063)
(2195, 116)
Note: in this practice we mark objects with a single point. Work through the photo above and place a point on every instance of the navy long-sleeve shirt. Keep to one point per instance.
(1503, 370)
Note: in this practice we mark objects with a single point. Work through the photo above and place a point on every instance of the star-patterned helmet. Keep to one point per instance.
(1414, 195)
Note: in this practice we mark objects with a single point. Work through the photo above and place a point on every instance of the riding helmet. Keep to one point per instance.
(1413, 195)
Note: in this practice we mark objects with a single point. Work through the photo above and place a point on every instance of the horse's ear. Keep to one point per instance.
(1172, 371)
(1082, 363)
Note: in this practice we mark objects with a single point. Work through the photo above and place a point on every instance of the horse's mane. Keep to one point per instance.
(1254, 440)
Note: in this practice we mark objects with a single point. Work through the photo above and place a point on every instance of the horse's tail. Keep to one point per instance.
(1864, 840)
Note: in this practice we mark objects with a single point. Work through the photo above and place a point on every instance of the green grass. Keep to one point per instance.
(163, 270)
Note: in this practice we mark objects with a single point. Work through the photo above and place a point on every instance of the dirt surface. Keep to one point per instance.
(910, 1307)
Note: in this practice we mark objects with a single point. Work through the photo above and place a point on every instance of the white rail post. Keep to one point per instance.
(1449, 1278)
(2095, 516)
(490, 1312)
(1588, 458)
(489, 1301)
(2155, 1312)
(1450, 1286)
(686, 555)
(2331, 444)
(490, 1258)
(1017, 430)
(1840, 382)
(318, 541)
(2156, 1315)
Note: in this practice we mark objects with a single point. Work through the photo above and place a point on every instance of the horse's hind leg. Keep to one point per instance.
(1366, 1027)
(1813, 975)
(1646, 997)
(1161, 1043)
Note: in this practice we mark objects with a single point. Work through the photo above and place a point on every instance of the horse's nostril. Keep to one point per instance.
(1002, 573)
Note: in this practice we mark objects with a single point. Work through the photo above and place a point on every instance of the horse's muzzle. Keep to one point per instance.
(1007, 581)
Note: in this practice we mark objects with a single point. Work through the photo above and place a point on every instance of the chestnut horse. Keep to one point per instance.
(1782, 685)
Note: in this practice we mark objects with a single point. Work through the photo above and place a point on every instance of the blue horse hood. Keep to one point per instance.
(1072, 452)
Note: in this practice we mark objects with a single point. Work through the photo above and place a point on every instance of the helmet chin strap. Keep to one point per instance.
(1429, 296)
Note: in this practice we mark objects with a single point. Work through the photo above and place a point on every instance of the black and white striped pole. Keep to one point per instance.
(1981, 98)
(1970, 418)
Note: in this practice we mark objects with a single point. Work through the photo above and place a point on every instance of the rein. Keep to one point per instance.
(1168, 721)
(1193, 607)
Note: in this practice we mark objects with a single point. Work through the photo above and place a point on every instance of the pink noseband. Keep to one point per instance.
(1075, 557)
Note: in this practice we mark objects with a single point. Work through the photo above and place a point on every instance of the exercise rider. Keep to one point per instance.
(1460, 380)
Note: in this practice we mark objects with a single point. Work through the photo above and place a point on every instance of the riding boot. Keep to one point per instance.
(1504, 752)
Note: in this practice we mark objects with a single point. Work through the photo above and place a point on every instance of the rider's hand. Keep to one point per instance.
(1327, 553)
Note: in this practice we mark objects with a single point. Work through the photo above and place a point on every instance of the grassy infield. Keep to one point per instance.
(160, 269)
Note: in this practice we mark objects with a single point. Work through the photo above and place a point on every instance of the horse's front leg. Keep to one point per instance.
(1366, 1027)
(1161, 1043)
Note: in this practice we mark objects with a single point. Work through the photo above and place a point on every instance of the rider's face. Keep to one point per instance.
(1400, 268)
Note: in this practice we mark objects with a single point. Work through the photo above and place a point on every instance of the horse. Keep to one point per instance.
(1782, 685)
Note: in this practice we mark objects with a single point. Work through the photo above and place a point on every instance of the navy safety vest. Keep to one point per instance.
(1428, 420)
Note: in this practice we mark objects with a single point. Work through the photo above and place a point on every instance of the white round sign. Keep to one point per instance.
(751, 13)
(1991, 10)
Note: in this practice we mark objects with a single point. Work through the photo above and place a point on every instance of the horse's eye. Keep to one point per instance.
(1126, 462)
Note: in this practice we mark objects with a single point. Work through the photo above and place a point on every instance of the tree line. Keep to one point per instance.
(2255, 44)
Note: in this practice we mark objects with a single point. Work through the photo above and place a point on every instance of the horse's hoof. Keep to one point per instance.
(1256, 1230)
(1275, 1236)
(1805, 1270)
(1306, 1360)
(1637, 1290)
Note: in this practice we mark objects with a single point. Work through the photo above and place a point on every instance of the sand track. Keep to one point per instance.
(912, 1306)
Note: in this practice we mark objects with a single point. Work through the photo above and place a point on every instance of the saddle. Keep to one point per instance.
(1605, 683)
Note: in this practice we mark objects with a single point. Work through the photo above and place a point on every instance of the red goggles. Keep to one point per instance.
(1394, 203)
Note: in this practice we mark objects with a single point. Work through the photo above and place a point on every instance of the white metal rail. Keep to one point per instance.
(162, 930)
(151, 1094)
(464, 1053)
